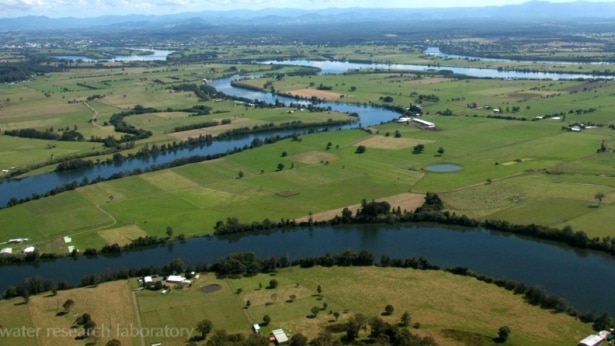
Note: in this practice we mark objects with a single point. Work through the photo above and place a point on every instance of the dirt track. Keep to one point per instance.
(405, 201)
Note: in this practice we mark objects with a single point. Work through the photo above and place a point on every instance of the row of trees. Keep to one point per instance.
(247, 264)
(63, 135)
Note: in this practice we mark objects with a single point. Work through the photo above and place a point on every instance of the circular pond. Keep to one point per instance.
(211, 288)
(443, 168)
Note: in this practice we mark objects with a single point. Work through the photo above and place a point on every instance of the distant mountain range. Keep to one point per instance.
(532, 11)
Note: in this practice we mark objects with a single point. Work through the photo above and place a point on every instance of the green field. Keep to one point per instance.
(526, 170)
(451, 309)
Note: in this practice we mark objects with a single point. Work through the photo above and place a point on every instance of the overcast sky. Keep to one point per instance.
(93, 8)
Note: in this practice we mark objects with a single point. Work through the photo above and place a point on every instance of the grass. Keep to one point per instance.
(110, 306)
(538, 172)
(451, 309)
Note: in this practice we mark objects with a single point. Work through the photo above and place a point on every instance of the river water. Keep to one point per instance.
(582, 277)
(369, 115)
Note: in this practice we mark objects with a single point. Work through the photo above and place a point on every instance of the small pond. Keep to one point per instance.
(211, 288)
(443, 168)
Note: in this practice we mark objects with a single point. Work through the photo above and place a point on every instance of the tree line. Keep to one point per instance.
(241, 264)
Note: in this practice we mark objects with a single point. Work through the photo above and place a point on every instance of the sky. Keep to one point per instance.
(94, 8)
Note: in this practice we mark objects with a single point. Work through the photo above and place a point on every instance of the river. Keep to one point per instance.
(43, 183)
(582, 277)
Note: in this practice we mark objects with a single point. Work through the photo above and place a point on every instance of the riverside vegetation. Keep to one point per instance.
(524, 168)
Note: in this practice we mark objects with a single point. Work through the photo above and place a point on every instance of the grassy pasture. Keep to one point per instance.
(110, 306)
(315, 179)
(449, 308)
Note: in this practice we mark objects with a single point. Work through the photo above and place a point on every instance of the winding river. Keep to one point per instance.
(582, 277)
(43, 183)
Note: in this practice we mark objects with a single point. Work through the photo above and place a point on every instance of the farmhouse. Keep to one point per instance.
(278, 336)
(29, 249)
(6, 250)
(595, 339)
(147, 280)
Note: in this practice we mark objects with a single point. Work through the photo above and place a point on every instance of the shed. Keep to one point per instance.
(256, 328)
(278, 336)
(176, 279)
(424, 122)
(592, 340)
(29, 249)
(6, 250)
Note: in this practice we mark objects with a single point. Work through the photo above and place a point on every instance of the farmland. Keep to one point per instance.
(532, 155)
(524, 169)
(451, 309)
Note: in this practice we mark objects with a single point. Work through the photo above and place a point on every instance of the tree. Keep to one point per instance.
(68, 304)
(336, 315)
(292, 297)
(280, 166)
(354, 325)
(26, 295)
(405, 319)
(360, 149)
(319, 290)
(266, 319)
(89, 327)
(389, 309)
(169, 231)
(599, 196)
(603, 322)
(440, 151)
(417, 149)
(113, 342)
(83, 319)
(176, 265)
(239, 174)
(315, 310)
(204, 327)
(298, 340)
(248, 303)
(273, 283)
(503, 333)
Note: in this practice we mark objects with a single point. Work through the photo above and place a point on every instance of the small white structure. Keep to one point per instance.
(595, 339)
(6, 250)
(429, 125)
(256, 328)
(147, 280)
(278, 336)
(177, 279)
(29, 249)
